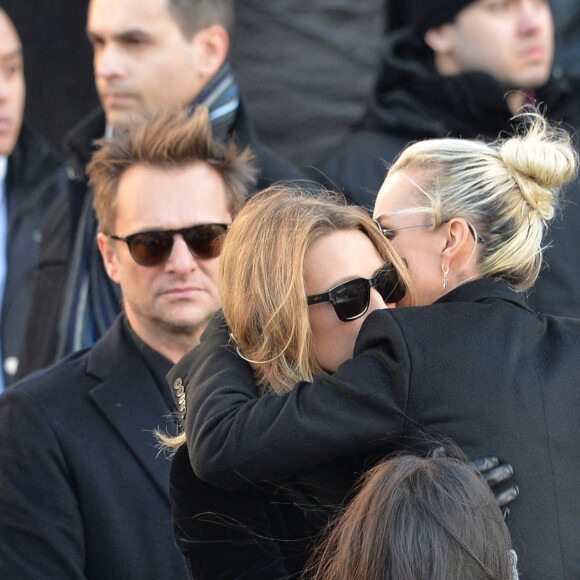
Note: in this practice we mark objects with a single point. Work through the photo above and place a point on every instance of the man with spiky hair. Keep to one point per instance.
(148, 54)
(84, 493)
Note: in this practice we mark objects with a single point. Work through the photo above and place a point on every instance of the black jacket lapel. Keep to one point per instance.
(130, 400)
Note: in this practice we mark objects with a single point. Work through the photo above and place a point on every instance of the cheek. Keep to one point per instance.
(320, 322)
(342, 344)
(480, 49)
(323, 328)
(407, 251)
(163, 70)
(207, 275)
(210, 268)
(424, 275)
(332, 340)
(138, 284)
(138, 281)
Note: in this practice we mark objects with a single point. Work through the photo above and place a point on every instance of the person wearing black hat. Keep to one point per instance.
(463, 68)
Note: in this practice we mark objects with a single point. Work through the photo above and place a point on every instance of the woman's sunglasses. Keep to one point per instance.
(351, 299)
(152, 248)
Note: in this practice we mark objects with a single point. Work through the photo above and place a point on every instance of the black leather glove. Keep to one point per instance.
(496, 474)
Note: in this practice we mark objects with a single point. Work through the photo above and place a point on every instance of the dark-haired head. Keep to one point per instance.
(417, 518)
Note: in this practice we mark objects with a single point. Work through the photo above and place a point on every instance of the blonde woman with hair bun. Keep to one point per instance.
(503, 195)
(467, 359)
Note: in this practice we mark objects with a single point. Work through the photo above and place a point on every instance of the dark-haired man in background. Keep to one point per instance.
(463, 68)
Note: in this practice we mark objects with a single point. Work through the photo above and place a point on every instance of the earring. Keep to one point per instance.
(445, 272)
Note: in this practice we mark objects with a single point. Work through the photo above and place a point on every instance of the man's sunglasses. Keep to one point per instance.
(351, 299)
(152, 248)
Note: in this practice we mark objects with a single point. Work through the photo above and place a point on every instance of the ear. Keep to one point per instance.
(460, 242)
(440, 39)
(212, 45)
(109, 255)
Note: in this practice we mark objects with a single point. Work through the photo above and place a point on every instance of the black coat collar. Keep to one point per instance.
(482, 290)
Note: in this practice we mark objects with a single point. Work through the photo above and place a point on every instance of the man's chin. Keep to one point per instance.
(187, 323)
(121, 118)
(185, 328)
(536, 77)
(7, 143)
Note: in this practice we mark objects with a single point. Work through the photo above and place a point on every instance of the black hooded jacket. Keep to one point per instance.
(413, 101)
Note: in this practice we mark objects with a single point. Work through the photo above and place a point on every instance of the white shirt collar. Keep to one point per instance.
(3, 168)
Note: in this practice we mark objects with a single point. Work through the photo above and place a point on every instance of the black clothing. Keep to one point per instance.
(42, 329)
(259, 533)
(268, 530)
(48, 329)
(567, 23)
(478, 367)
(306, 68)
(84, 492)
(414, 102)
(35, 178)
(157, 363)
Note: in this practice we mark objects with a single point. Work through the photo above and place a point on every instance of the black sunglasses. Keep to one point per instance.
(152, 248)
(351, 299)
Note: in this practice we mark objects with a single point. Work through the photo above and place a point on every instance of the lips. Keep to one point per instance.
(535, 53)
(5, 124)
(115, 98)
(183, 292)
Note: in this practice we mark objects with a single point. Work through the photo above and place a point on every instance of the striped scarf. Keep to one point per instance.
(92, 300)
(222, 98)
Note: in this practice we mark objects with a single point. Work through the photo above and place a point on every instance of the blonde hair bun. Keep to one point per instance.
(541, 161)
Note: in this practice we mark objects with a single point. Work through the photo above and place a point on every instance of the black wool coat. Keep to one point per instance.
(478, 367)
(84, 492)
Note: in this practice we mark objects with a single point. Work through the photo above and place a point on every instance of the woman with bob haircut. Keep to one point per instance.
(415, 517)
(288, 247)
(471, 362)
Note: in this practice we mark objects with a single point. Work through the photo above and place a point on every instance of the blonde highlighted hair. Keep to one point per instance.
(508, 190)
(261, 278)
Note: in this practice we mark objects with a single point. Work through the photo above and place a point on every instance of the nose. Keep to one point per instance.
(376, 301)
(107, 61)
(532, 15)
(181, 260)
